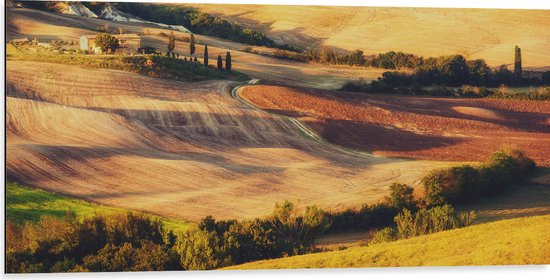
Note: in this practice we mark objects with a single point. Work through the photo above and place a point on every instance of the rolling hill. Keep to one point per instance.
(181, 150)
(490, 34)
(517, 241)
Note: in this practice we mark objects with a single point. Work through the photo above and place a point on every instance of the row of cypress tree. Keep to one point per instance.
(172, 44)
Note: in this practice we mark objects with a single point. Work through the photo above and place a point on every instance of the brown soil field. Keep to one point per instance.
(183, 150)
(490, 34)
(448, 129)
(28, 23)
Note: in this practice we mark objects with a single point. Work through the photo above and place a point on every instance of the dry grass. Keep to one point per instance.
(181, 150)
(476, 33)
(416, 127)
(510, 242)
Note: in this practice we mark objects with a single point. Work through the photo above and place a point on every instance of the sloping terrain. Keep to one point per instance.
(176, 149)
(490, 34)
(450, 129)
(45, 26)
(510, 242)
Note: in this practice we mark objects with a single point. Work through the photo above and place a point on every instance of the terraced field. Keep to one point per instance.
(182, 150)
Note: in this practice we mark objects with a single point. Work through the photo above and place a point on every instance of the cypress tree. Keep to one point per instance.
(205, 55)
(192, 45)
(228, 62)
(220, 63)
(518, 72)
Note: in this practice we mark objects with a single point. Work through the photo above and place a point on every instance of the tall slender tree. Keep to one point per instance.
(220, 63)
(171, 43)
(206, 55)
(228, 62)
(518, 72)
(192, 45)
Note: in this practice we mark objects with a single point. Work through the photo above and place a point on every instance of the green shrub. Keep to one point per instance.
(426, 221)
(386, 234)
(401, 196)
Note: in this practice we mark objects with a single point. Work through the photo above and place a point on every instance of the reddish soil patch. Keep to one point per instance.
(416, 127)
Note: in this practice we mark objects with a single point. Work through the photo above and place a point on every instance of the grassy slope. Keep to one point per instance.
(514, 241)
(25, 204)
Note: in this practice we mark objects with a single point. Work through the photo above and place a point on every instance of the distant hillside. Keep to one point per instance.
(516, 241)
(475, 33)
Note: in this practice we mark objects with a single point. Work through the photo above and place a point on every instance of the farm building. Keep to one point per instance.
(127, 43)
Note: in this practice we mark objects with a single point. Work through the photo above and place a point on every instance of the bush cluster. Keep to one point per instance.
(467, 183)
(424, 221)
(134, 242)
(118, 243)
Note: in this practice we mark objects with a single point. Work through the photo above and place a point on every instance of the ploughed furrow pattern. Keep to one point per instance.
(447, 129)
(183, 150)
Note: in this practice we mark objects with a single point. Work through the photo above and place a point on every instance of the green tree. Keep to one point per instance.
(200, 250)
(298, 232)
(228, 62)
(220, 62)
(206, 55)
(192, 44)
(401, 196)
(171, 42)
(106, 42)
(518, 72)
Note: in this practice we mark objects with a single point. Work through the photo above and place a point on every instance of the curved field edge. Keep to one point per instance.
(25, 204)
(517, 241)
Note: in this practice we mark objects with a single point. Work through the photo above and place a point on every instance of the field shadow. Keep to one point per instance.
(532, 199)
(371, 137)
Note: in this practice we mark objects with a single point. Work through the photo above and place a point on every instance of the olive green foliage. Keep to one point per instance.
(386, 234)
(401, 196)
(106, 42)
(118, 243)
(427, 221)
(215, 244)
(466, 183)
